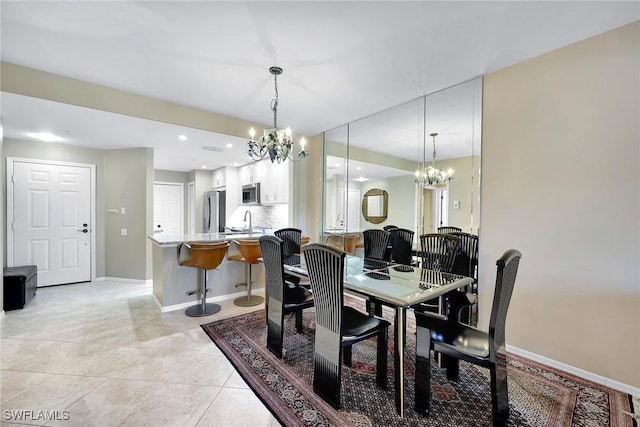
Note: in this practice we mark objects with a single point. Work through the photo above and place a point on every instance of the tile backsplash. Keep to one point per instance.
(270, 216)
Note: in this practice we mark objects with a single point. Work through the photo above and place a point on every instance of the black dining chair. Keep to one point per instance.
(449, 229)
(283, 298)
(389, 227)
(338, 327)
(466, 264)
(456, 341)
(375, 243)
(438, 252)
(291, 240)
(401, 245)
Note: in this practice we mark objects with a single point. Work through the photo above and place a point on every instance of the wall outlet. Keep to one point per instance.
(456, 204)
(123, 231)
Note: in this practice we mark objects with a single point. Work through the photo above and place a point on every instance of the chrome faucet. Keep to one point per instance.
(245, 221)
(339, 223)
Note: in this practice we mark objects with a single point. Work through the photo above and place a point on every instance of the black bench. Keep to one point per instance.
(20, 284)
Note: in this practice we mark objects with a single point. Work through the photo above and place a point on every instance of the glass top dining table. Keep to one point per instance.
(396, 285)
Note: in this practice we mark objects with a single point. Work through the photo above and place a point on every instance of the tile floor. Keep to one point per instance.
(102, 354)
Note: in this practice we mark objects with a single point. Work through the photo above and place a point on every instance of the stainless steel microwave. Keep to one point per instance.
(251, 194)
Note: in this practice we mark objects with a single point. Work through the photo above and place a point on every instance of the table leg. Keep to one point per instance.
(399, 333)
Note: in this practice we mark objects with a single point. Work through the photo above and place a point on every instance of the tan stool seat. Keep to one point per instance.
(344, 243)
(249, 253)
(204, 256)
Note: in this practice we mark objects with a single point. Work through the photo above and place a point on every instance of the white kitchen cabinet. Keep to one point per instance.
(275, 185)
(219, 178)
(251, 173)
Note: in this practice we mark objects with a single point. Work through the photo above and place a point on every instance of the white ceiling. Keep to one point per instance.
(342, 60)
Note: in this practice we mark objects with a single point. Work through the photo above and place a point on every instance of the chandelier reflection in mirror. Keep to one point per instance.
(278, 144)
(431, 175)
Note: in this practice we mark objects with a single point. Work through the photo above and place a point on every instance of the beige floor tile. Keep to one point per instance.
(173, 405)
(109, 363)
(235, 381)
(13, 383)
(46, 356)
(109, 404)
(122, 360)
(56, 393)
(163, 336)
(236, 407)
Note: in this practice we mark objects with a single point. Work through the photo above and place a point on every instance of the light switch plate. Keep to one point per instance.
(122, 210)
(456, 204)
(123, 231)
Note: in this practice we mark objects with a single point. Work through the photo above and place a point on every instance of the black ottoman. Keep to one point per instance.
(20, 284)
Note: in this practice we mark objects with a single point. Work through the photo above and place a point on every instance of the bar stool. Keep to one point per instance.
(205, 257)
(249, 254)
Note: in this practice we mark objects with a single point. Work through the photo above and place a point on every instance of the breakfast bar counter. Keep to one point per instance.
(172, 281)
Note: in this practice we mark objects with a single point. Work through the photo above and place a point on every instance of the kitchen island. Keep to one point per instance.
(172, 281)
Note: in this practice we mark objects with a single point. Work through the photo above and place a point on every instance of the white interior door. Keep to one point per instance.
(51, 213)
(167, 208)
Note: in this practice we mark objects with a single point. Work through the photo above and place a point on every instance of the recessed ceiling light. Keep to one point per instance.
(235, 163)
(229, 145)
(182, 138)
(45, 136)
(361, 179)
(358, 168)
(204, 167)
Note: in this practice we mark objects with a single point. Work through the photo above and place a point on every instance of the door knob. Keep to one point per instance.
(84, 230)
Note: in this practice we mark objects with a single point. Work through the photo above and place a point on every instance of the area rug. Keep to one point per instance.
(538, 395)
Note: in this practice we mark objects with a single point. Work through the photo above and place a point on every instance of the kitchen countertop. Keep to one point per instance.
(175, 239)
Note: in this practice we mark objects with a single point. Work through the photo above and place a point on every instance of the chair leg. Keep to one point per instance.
(423, 370)
(299, 321)
(274, 337)
(326, 379)
(499, 391)
(346, 356)
(381, 359)
(374, 308)
(275, 328)
(452, 365)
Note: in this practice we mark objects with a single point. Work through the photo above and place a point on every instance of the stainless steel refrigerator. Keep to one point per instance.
(214, 211)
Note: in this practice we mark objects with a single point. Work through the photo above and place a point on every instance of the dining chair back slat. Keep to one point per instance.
(375, 243)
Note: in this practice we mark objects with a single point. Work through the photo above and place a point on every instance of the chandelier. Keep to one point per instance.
(278, 144)
(431, 175)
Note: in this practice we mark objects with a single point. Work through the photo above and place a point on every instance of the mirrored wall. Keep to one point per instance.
(388, 153)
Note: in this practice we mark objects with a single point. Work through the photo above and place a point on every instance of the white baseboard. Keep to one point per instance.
(184, 305)
(616, 385)
(126, 280)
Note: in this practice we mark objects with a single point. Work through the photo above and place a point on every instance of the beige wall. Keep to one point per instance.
(561, 182)
(129, 184)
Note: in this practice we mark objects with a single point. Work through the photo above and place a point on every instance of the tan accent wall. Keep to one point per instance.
(561, 183)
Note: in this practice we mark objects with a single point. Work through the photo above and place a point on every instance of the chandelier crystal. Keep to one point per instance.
(431, 176)
(278, 144)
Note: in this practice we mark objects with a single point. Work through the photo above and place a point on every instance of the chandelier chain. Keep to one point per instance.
(274, 102)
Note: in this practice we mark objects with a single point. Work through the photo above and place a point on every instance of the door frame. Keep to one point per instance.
(191, 207)
(10, 207)
(174, 184)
